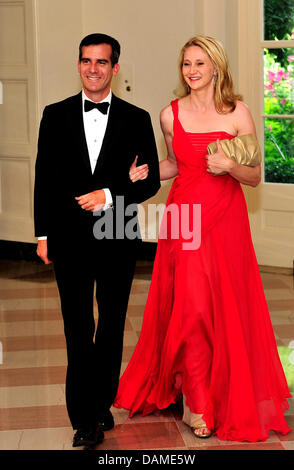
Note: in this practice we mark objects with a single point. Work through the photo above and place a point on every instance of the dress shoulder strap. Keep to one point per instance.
(175, 108)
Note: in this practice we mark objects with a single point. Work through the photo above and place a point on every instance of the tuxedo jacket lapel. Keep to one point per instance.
(111, 133)
(75, 117)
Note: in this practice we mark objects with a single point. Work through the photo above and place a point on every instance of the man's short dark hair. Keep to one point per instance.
(99, 38)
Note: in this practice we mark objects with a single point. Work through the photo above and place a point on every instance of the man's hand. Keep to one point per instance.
(93, 201)
(42, 251)
(219, 164)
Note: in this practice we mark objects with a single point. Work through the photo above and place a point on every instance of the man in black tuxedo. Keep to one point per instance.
(82, 170)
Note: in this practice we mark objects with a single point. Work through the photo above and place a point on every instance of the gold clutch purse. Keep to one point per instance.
(243, 149)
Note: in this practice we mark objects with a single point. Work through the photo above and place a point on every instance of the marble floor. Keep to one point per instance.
(33, 364)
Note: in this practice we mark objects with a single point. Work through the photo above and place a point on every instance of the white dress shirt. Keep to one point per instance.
(95, 124)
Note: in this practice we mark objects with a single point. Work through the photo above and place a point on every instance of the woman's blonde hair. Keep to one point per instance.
(224, 97)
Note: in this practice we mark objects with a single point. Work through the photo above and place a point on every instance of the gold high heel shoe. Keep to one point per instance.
(198, 431)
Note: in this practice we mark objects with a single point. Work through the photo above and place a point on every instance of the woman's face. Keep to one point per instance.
(197, 69)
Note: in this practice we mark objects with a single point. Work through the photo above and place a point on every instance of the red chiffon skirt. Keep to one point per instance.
(206, 330)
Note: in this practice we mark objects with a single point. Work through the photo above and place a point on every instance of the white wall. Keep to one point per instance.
(151, 33)
(58, 34)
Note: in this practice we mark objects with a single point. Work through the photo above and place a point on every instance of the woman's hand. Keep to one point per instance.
(137, 173)
(218, 163)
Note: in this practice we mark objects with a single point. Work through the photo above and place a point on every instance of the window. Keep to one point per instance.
(278, 66)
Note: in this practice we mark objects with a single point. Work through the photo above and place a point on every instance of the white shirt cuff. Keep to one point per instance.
(108, 199)
(42, 238)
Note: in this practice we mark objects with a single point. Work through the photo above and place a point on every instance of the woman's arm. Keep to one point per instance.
(168, 167)
(219, 162)
(248, 175)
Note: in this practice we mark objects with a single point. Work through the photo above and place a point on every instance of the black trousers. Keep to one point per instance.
(94, 354)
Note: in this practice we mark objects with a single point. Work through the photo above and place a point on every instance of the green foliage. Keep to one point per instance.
(287, 359)
(279, 171)
(279, 99)
(278, 84)
(279, 150)
(278, 18)
(278, 24)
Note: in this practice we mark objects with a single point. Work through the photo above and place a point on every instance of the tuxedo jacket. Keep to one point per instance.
(63, 169)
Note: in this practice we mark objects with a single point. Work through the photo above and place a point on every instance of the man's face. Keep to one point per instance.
(96, 70)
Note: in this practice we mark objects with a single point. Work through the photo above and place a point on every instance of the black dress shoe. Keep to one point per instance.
(106, 421)
(88, 437)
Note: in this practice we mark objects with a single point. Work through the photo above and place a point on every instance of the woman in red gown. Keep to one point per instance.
(207, 333)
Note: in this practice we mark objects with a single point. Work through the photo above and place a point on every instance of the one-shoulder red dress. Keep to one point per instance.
(206, 330)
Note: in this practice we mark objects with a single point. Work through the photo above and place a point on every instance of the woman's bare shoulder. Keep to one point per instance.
(243, 119)
(242, 109)
(166, 112)
(166, 118)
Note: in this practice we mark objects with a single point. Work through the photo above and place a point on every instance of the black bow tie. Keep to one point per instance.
(102, 107)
